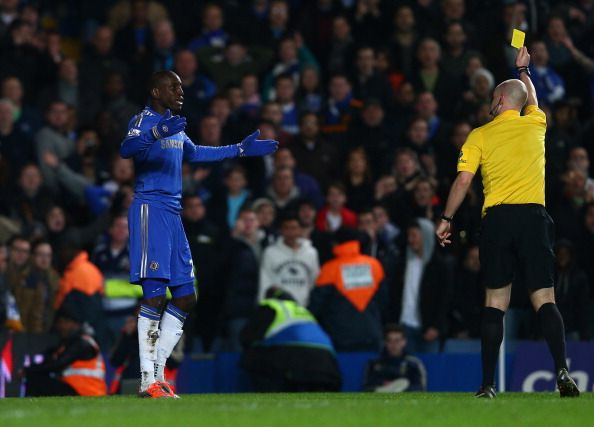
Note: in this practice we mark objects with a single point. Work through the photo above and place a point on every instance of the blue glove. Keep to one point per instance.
(168, 125)
(250, 146)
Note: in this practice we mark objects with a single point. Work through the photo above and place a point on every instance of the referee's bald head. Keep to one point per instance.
(514, 93)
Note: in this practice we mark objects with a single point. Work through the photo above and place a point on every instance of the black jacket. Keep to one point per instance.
(433, 293)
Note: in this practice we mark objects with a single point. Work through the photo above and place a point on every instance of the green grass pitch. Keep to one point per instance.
(303, 410)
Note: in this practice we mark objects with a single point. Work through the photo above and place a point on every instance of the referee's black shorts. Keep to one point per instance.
(516, 245)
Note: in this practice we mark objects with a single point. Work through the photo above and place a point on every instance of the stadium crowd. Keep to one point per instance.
(371, 101)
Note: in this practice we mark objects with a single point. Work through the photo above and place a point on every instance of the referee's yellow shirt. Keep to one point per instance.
(511, 153)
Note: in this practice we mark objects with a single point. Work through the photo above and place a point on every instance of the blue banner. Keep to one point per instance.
(534, 370)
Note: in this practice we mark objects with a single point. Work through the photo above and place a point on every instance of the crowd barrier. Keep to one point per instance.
(529, 367)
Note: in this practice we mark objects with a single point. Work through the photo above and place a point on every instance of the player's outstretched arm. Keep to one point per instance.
(522, 63)
(250, 146)
(140, 136)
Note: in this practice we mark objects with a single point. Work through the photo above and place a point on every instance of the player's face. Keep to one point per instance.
(170, 93)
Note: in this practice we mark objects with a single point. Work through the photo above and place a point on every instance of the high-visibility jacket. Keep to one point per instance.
(87, 377)
(294, 325)
(356, 276)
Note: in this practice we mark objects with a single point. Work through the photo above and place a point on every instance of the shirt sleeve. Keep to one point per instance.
(203, 153)
(536, 114)
(470, 155)
(138, 138)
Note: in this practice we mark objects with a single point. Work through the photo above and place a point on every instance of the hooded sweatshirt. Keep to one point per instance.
(292, 270)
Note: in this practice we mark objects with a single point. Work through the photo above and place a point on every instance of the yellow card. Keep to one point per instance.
(518, 38)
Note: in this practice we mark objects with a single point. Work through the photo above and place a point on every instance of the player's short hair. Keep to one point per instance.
(158, 78)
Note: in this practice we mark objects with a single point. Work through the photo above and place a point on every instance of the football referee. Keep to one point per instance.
(516, 243)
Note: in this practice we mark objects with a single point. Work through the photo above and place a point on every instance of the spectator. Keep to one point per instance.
(368, 82)
(80, 274)
(432, 78)
(266, 213)
(549, 85)
(213, 32)
(53, 139)
(421, 290)
(341, 107)
(250, 94)
(348, 298)
(244, 255)
(16, 148)
(68, 89)
(112, 258)
(395, 370)
(23, 60)
(272, 112)
(60, 234)
(225, 206)
(237, 61)
(116, 101)
(294, 355)
(285, 96)
(335, 215)
(16, 273)
(293, 57)
(341, 46)
(467, 298)
(27, 118)
(134, 43)
(276, 27)
(456, 54)
(572, 292)
(314, 155)
(74, 368)
(206, 245)
(35, 296)
(98, 61)
(424, 203)
(291, 264)
(358, 184)
(283, 190)
(482, 83)
(307, 213)
(373, 133)
(165, 45)
(198, 89)
(368, 22)
(404, 38)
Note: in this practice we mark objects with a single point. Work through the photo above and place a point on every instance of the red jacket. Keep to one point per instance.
(349, 219)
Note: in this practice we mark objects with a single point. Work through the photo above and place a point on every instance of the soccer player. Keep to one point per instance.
(159, 252)
(516, 232)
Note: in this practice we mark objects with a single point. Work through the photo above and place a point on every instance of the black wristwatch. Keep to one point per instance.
(447, 218)
(523, 70)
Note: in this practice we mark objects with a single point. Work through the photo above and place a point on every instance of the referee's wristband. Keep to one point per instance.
(523, 70)
(447, 218)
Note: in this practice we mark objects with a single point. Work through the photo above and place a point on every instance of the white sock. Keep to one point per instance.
(148, 341)
(172, 325)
